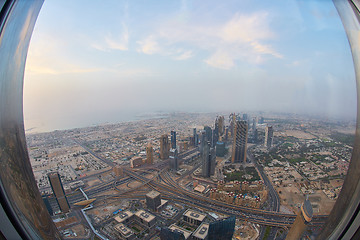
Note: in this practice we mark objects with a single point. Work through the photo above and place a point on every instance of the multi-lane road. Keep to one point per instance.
(170, 189)
(274, 199)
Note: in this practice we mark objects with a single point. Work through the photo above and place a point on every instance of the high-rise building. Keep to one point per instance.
(218, 129)
(192, 141)
(153, 200)
(256, 137)
(254, 124)
(208, 160)
(212, 159)
(208, 132)
(226, 134)
(245, 117)
(220, 149)
(118, 171)
(269, 132)
(215, 136)
(169, 234)
(173, 139)
(136, 161)
(164, 147)
(220, 121)
(261, 120)
(222, 229)
(58, 190)
(149, 154)
(196, 138)
(232, 119)
(203, 141)
(239, 141)
(174, 164)
(302, 219)
(205, 160)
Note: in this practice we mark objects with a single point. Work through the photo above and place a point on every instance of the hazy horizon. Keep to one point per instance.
(94, 62)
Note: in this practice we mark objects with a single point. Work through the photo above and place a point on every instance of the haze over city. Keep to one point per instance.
(92, 63)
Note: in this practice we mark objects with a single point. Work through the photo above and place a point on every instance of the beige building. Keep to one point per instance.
(136, 162)
(145, 218)
(124, 217)
(118, 171)
(193, 217)
(164, 147)
(201, 233)
(149, 154)
(124, 231)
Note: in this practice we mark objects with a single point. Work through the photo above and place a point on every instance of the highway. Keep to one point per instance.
(171, 190)
(274, 197)
(249, 214)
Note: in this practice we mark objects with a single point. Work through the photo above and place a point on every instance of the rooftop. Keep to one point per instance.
(125, 231)
(153, 194)
(145, 215)
(186, 233)
(122, 216)
(202, 231)
(194, 215)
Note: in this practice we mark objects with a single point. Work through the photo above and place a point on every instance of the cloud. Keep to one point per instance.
(243, 37)
(111, 42)
(185, 55)
(221, 59)
(246, 28)
(148, 46)
(264, 49)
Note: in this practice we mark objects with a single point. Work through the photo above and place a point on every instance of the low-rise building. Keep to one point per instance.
(124, 231)
(193, 217)
(201, 233)
(145, 218)
(136, 162)
(124, 217)
(185, 232)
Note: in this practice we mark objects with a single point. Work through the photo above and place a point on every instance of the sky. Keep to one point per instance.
(92, 62)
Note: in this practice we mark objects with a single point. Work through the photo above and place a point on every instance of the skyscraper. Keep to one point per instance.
(203, 141)
(196, 138)
(220, 121)
(208, 160)
(212, 159)
(245, 117)
(58, 190)
(205, 160)
(173, 139)
(220, 149)
(261, 120)
(254, 124)
(222, 229)
(153, 200)
(269, 132)
(174, 164)
(208, 133)
(232, 119)
(168, 234)
(239, 141)
(149, 154)
(164, 147)
(256, 137)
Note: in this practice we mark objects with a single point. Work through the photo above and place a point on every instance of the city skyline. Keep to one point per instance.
(92, 63)
(308, 161)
